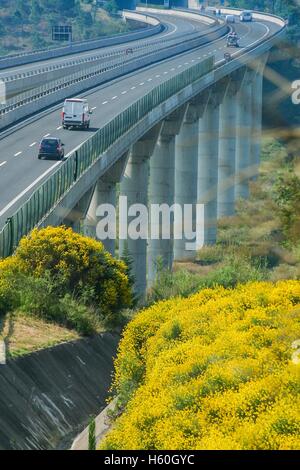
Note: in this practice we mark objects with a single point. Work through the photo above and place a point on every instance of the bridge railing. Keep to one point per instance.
(46, 196)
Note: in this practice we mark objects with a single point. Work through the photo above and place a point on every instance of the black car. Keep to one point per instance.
(51, 147)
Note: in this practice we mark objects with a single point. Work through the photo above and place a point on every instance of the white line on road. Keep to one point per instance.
(33, 143)
(3, 163)
(114, 97)
(157, 76)
(5, 209)
(95, 107)
(105, 102)
(142, 83)
(17, 154)
(124, 92)
(58, 128)
(149, 80)
(46, 135)
(133, 88)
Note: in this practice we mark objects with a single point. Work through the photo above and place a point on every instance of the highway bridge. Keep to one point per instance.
(175, 123)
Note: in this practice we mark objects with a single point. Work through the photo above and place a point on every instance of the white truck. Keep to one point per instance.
(76, 113)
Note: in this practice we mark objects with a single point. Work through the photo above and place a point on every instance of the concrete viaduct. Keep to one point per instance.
(199, 143)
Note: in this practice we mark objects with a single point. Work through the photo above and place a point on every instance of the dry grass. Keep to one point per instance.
(24, 334)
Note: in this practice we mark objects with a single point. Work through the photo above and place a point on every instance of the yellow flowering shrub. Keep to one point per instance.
(76, 264)
(8, 270)
(213, 371)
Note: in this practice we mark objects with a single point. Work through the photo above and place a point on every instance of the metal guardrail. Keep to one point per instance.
(139, 51)
(51, 191)
(14, 60)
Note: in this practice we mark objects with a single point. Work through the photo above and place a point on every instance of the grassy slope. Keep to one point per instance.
(24, 334)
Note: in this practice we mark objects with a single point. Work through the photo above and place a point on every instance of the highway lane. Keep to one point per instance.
(175, 27)
(20, 171)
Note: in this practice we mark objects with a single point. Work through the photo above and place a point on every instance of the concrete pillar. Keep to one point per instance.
(76, 216)
(134, 186)
(227, 149)
(162, 191)
(257, 88)
(186, 170)
(208, 168)
(257, 103)
(104, 193)
(243, 170)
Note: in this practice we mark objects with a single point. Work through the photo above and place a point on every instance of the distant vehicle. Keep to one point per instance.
(230, 19)
(211, 10)
(227, 56)
(51, 147)
(76, 113)
(232, 40)
(246, 15)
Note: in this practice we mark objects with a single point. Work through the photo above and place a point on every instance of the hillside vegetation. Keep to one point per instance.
(260, 242)
(27, 24)
(61, 277)
(219, 370)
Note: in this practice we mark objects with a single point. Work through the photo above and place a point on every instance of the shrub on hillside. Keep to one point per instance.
(9, 297)
(75, 264)
(214, 371)
(235, 268)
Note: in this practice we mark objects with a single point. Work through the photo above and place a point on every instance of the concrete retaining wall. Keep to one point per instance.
(47, 398)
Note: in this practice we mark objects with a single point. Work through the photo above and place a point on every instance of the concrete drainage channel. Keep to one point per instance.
(48, 397)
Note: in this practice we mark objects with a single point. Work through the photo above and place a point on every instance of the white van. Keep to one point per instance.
(246, 15)
(76, 113)
(230, 19)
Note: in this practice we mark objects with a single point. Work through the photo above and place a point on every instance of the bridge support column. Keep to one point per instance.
(104, 193)
(243, 170)
(208, 164)
(134, 186)
(227, 149)
(257, 93)
(162, 192)
(186, 170)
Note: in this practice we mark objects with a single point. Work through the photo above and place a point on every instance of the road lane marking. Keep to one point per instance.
(114, 97)
(19, 196)
(33, 143)
(142, 83)
(17, 154)
(157, 76)
(5, 209)
(149, 80)
(46, 135)
(124, 92)
(105, 102)
(133, 88)
(3, 163)
(95, 107)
